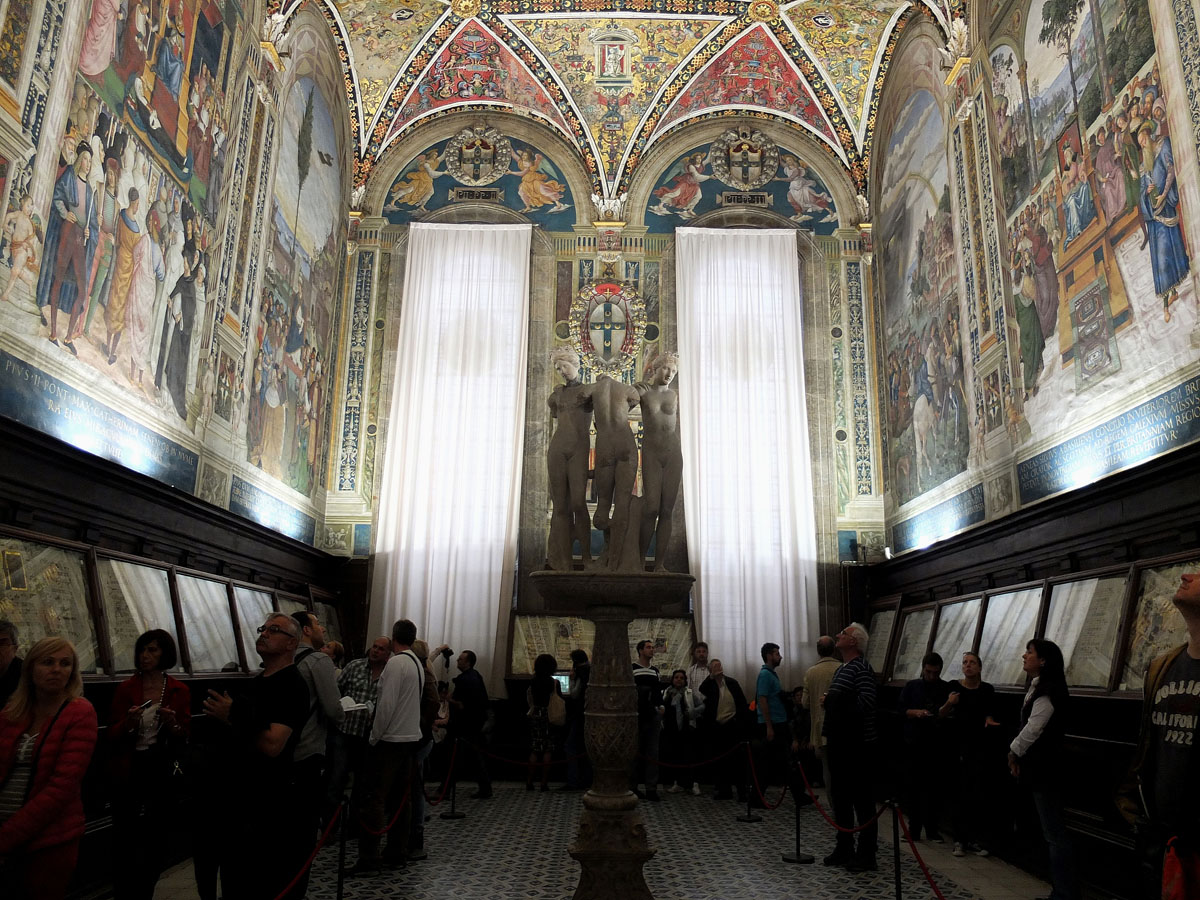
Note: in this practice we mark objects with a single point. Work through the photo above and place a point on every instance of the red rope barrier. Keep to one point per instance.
(446, 783)
(395, 818)
(317, 849)
(758, 789)
(924, 869)
(698, 765)
(824, 815)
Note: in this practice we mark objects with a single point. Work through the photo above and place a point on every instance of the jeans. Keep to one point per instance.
(1054, 829)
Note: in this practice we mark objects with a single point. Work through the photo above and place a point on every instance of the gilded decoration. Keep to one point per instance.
(608, 325)
(478, 155)
(745, 158)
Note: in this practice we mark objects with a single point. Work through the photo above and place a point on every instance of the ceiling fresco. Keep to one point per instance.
(616, 76)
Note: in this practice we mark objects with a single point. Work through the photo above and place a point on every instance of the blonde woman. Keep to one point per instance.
(47, 734)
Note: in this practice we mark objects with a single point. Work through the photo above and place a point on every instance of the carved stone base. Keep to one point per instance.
(611, 844)
(611, 848)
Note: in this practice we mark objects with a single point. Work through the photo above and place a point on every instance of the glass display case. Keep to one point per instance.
(1156, 626)
(1009, 624)
(956, 626)
(914, 643)
(1084, 619)
(208, 624)
(44, 592)
(879, 631)
(137, 598)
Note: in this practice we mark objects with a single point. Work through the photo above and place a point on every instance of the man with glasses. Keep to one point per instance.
(850, 741)
(10, 663)
(266, 720)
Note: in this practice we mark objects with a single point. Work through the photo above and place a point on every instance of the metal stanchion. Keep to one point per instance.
(749, 815)
(341, 883)
(453, 812)
(797, 855)
(896, 845)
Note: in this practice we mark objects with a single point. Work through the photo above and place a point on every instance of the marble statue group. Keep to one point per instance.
(629, 523)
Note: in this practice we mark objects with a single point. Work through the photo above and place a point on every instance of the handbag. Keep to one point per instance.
(1181, 871)
(556, 710)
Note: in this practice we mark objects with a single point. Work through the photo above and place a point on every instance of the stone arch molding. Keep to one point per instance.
(816, 155)
(818, 376)
(564, 155)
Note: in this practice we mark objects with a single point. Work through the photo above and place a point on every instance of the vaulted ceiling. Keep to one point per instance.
(615, 76)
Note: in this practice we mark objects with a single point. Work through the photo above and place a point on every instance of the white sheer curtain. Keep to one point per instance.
(447, 527)
(747, 482)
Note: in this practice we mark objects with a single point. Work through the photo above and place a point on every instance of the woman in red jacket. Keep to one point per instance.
(47, 734)
(147, 727)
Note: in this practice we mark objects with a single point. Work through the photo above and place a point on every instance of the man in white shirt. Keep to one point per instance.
(395, 734)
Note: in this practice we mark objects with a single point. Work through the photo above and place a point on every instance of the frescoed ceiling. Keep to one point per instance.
(614, 76)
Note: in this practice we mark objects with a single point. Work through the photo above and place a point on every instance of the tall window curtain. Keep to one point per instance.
(747, 482)
(448, 504)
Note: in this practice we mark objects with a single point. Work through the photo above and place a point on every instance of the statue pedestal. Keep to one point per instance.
(611, 845)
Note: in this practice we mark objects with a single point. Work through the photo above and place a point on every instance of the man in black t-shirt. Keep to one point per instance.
(265, 719)
(1163, 792)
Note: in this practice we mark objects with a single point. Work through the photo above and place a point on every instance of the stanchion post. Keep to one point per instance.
(797, 855)
(341, 884)
(453, 812)
(749, 815)
(896, 845)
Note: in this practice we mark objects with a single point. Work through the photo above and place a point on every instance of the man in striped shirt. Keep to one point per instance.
(850, 743)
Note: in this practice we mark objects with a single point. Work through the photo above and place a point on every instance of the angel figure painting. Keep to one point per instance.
(681, 196)
(417, 187)
(526, 180)
(537, 189)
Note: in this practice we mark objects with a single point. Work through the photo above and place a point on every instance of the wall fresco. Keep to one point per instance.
(927, 421)
(286, 422)
(689, 187)
(753, 72)
(1097, 261)
(165, 70)
(526, 179)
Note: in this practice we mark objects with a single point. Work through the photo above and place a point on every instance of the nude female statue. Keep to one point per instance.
(616, 463)
(662, 456)
(571, 404)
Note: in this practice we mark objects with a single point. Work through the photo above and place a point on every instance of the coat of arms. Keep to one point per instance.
(478, 155)
(744, 159)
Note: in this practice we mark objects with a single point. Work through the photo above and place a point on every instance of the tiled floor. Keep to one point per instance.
(514, 846)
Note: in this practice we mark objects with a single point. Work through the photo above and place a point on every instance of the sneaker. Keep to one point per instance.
(674, 789)
(695, 790)
(958, 849)
(980, 851)
(418, 854)
(363, 867)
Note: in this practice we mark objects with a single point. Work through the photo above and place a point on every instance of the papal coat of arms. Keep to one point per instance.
(478, 155)
(744, 159)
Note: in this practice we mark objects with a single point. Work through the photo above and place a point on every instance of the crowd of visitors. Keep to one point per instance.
(305, 730)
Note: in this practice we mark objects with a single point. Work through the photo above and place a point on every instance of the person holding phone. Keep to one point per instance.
(148, 726)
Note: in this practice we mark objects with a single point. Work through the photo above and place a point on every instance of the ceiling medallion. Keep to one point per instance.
(608, 324)
(764, 10)
(464, 9)
(744, 159)
(478, 155)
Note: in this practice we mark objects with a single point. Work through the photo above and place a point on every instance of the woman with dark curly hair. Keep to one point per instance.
(538, 696)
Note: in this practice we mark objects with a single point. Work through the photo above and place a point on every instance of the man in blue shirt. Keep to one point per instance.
(774, 730)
